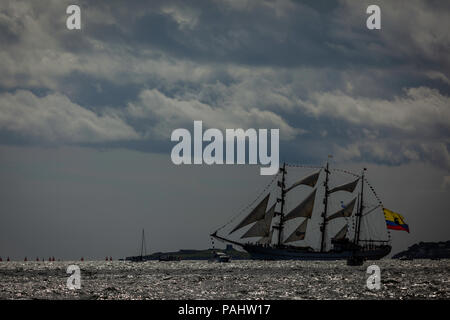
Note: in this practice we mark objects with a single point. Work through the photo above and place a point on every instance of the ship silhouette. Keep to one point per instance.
(303, 230)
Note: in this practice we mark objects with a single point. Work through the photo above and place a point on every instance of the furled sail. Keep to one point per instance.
(341, 234)
(262, 227)
(344, 212)
(304, 209)
(299, 233)
(309, 181)
(350, 187)
(257, 214)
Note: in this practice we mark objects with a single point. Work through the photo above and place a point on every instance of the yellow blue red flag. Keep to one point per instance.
(395, 221)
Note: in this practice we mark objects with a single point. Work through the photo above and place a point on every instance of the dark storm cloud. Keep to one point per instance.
(310, 68)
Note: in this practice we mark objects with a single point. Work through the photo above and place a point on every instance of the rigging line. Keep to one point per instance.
(251, 204)
(375, 194)
(372, 207)
(345, 171)
(294, 165)
(380, 203)
(321, 167)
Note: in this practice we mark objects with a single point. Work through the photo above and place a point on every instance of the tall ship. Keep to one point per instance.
(327, 214)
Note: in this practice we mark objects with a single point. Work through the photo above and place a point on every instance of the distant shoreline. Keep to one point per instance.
(425, 250)
(192, 254)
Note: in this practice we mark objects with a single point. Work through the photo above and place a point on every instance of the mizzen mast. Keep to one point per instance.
(360, 210)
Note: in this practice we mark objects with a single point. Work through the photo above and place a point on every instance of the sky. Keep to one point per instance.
(86, 115)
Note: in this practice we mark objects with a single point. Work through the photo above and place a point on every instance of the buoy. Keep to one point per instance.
(37, 259)
(82, 259)
(7, 259)
(1, 259)
(53, 258)
(25, 259)
(106, 259)
(110, 258)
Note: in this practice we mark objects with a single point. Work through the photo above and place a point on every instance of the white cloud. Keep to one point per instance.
(411, 127)
(236, 89)
(408, 28)
(186, 17)
(420, 109)
(171, 113)
(436, 75)
(54, 118)
(395, 151)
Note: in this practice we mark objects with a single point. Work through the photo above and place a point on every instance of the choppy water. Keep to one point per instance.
(418, 279)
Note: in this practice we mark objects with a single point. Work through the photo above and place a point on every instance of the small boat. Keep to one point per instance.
(141, 257)
(220, 257)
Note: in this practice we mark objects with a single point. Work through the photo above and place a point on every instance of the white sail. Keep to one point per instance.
(266, 240)
(310, 180)
(341, 234)
(257, 214)
(299, 233)
(304, 209)
(344, 212)
(350, 187)
(262, 227)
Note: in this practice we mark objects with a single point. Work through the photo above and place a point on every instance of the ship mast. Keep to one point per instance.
(282, 200)
(324, 214)
(360, 210)
(143, 248)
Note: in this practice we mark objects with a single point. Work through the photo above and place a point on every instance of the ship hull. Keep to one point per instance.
(291, 253)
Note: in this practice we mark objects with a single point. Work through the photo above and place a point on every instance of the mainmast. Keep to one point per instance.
(282, 200)
(360, 210)
(324, 214)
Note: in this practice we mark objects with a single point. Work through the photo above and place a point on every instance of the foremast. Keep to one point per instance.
(281, 200)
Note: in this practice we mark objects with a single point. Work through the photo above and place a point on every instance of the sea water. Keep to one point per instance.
(239, 279)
